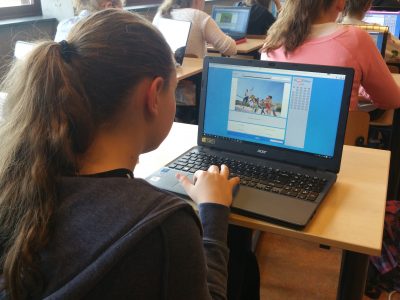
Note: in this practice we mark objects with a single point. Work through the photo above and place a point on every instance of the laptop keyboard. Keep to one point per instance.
(265, 178)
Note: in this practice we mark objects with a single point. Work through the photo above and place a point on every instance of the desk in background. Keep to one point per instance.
(350, 218)
(250, 47)
(190, 67)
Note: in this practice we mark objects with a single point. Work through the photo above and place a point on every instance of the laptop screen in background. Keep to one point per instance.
(378, 38)
(176, 33)
(288, 109)
(385, 18)
(231, 19)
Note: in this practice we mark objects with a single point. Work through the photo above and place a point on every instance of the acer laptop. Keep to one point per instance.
(385, 18)
(233, 20)
(176, 33)
(278, 126)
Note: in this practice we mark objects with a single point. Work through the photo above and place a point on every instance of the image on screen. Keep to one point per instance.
(231, 19)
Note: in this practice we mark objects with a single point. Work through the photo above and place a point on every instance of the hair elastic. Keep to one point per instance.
(66, 50)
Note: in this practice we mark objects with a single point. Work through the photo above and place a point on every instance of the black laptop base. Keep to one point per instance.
(275, 191)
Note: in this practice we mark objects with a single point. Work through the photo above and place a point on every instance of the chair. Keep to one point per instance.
(357, 128)
(380, 133)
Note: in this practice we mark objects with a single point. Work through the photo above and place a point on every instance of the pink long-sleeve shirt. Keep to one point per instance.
(348, 46)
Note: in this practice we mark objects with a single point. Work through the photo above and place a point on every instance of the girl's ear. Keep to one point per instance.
(153, 96)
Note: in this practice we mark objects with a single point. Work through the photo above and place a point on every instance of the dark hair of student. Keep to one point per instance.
(168, 5)
(294, 24)
(356, 7)
(57, 97)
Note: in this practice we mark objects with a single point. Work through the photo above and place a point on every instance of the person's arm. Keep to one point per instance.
(214, 36)
(376, 77)
(212, 191)
(278, 5)
(214, 218)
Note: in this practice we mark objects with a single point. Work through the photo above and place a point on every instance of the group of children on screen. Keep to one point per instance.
(74, 222)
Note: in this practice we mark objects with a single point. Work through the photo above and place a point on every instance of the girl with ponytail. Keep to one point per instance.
(74, 222)
(306, 32)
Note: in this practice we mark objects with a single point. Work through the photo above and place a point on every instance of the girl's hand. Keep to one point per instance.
(211, 186)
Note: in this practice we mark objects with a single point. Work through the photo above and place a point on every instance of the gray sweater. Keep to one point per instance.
(121, 238)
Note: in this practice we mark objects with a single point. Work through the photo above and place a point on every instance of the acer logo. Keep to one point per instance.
(261, 151)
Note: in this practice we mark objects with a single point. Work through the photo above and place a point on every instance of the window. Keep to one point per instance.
(142, 2)
(19, 8)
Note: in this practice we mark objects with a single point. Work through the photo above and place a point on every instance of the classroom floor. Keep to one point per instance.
(295, 269)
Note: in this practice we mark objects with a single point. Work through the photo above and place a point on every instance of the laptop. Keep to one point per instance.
(233, 20)
(176, 33)
(385, 18)
(278, 126)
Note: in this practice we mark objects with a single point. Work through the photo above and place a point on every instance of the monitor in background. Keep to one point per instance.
(385, 18)
(22, 49)
(176, 33)
(233, 20)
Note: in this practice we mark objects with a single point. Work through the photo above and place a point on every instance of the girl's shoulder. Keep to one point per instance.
(354, 31)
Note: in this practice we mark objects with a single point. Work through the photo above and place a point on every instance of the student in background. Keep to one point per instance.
(354, 13)
(204, 29)
(306, 32)
(74, 222)
(84, 9)
(260, 19)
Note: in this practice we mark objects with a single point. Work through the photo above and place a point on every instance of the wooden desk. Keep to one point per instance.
(251, 45)
(350, 218)
(191, 66)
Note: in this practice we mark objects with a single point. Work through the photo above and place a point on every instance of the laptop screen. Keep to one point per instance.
(385, 18)
(289, 109)
(231, 19)
(378, 38)
(176, 33)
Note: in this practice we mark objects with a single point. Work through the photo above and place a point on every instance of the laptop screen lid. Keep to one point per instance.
(293, 113)
(385, 18)
(232, 20)
(176, 33)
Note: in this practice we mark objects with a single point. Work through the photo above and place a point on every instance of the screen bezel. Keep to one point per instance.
(307, 160)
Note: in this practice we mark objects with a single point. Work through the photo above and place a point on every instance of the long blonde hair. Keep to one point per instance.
(168, 5)
(294, 24)
(57, 98)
